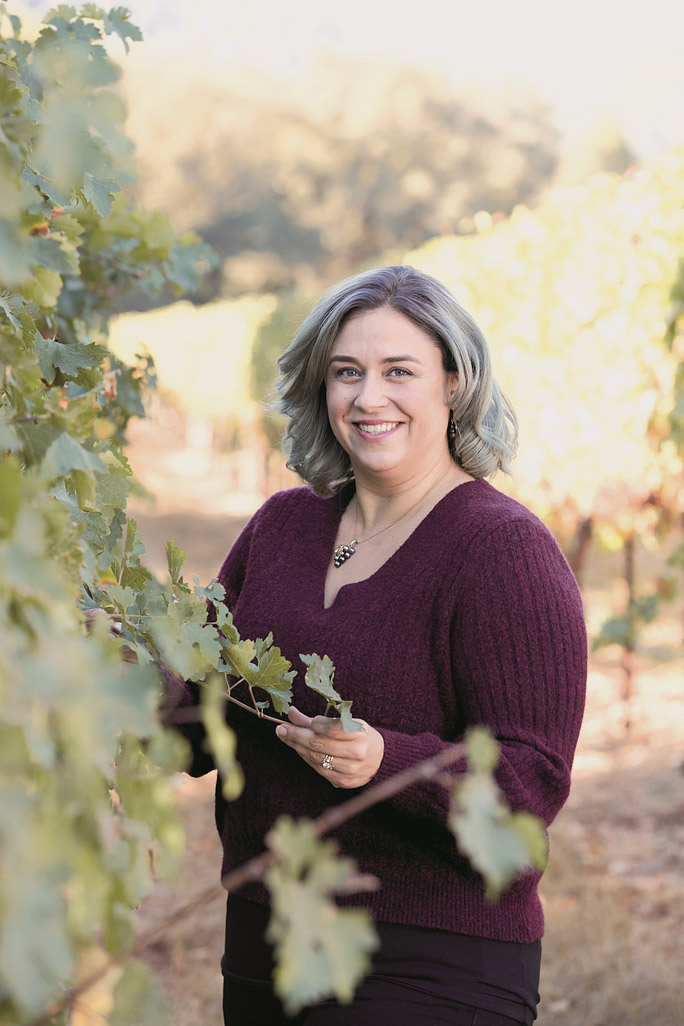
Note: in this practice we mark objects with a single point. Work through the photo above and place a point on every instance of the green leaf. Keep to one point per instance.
(36, 440)
(135, 577)
(221, 739)
(321, 950)
(482, 749)
(99, 191)
(500, 844)
(66, 454)
(121, 597)
(319, 676)
(187, 643)
(133, 546)
(117, 21)
(240, 657)
(349, 724)
(69, 358)
(9, 305)
(275, 676)
(57, 254)
(175, 559)
(43, 288)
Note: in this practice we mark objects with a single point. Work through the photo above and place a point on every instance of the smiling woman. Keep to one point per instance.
(443, 604)
(400, 305)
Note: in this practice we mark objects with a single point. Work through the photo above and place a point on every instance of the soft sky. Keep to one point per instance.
(590, 59)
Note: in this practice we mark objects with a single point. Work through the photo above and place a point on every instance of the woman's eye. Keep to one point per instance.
(346, 372)
(400, 372)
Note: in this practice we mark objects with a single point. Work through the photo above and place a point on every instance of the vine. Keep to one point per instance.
(86, 765)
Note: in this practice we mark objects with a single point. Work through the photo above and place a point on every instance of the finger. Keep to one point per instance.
(331, 726)
(310, 746)
(298, 718)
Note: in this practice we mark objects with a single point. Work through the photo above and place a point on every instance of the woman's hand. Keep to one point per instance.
(352, 759)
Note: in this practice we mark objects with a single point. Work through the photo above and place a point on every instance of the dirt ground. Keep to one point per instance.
(614, 889)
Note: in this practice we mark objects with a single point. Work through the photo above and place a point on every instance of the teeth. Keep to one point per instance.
(376, 429)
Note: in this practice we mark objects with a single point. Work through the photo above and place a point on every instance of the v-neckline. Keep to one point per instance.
(364, 580)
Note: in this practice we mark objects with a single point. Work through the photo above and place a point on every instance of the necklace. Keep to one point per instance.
(344, 552)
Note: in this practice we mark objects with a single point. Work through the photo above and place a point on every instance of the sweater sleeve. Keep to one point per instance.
(180, 695)
(518, 664)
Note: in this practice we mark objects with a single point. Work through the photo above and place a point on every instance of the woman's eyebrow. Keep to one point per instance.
(386, 359)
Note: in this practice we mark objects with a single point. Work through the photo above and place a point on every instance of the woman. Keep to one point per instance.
(442, 603)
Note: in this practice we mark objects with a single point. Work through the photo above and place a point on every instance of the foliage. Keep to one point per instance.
(500, 844)
(86, 769)
(84, 765)
(320, 949)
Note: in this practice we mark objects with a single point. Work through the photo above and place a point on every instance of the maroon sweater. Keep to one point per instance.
(475, 619)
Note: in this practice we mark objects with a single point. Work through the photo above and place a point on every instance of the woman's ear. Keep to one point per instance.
(451, 387)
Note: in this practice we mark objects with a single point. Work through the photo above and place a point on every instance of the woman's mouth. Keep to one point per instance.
(375, 429)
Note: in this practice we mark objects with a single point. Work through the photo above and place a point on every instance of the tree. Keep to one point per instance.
(297, 186)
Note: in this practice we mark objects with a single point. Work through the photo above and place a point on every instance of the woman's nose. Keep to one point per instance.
(370, 393)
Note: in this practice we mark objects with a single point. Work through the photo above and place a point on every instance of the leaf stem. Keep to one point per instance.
(32, 419)
(254, 712)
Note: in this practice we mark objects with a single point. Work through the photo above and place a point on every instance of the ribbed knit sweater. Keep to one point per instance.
(475, 619)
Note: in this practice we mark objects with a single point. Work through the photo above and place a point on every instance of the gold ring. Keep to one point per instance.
(327, 763)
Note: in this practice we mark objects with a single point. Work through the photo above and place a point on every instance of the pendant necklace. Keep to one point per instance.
(344, 552)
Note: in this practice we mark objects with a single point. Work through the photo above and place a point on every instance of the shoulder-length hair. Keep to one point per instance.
(486, 426)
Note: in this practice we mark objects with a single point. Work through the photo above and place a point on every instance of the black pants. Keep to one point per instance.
(419, 978)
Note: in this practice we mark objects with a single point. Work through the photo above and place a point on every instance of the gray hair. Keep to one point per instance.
(486, 425)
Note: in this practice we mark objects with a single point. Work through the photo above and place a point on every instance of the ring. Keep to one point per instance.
(327, 763)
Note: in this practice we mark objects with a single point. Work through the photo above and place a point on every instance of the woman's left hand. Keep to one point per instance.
(352, 759)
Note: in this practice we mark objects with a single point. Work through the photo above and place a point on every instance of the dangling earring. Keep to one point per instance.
(452, 427)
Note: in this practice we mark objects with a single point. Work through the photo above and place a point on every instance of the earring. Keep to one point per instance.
(452, 426)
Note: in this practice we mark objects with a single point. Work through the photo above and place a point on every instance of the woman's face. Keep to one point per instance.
(387, 395)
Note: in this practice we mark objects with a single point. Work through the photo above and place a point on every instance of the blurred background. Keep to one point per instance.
(531, 156)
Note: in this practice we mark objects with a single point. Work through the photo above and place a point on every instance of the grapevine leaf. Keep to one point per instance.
(222, 743)
(483, 751)
(121, 597)
(99, 191)
(36, 440)
(319, 676)
(7, 305)
(500, 844)
(175, 559)
(275, 676)
(133, 546)
(321, 950)
(66, 454)
(69, 358)
(224, 621)
(44, 287)
(116, 20)
(213, 592)
(349, 724)
(187, 643)
(240, 657)
(56, 254)
(135, 577)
